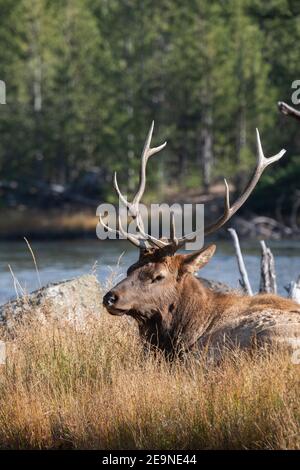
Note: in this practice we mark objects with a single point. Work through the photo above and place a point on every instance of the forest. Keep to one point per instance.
(85, 78)
(106, 344)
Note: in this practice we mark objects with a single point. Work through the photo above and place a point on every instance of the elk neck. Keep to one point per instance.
(181, 320)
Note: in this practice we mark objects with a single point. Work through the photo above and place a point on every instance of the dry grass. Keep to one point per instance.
(63, 388)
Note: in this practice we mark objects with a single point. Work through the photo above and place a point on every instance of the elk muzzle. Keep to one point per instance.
(109, 301)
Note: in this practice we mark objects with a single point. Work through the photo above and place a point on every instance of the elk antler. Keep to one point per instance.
(142, 240)
(133, 207)
(262, 163)
(145, 241)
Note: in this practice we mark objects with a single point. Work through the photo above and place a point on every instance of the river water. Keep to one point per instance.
(60, 260)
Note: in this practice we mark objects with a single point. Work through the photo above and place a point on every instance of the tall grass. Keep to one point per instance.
(96, 388)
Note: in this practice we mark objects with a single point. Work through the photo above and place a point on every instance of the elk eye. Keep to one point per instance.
(160, 277)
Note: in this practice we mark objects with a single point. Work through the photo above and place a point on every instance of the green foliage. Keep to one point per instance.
(85, 78)
(277, 189)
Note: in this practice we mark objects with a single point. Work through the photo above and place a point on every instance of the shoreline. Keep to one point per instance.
(75, 224)
(41, 225)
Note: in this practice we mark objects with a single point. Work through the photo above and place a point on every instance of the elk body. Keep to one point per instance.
(173, 309)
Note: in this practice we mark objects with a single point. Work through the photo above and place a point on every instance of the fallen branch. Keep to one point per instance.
(288, 110)
(244, 281)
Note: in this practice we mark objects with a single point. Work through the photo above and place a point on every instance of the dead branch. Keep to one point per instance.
(268, 275)
(288, 110)
(244, 281)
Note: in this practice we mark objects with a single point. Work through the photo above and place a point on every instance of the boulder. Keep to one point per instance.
(73, 300)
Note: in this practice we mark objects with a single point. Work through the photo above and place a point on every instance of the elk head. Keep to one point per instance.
(161, 284)
(153, 285)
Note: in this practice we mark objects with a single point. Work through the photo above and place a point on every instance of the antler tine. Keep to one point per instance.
(147, 236)
(131, 238)
(262, 160)
(261, 165)
(226, 215)
(120, 195)
(173, 230)
(133, 207)
(146, 154)
(145, 241)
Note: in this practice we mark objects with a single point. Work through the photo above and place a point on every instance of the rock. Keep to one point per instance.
(73, 300)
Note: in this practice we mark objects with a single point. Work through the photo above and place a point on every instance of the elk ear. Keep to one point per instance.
(198, 259)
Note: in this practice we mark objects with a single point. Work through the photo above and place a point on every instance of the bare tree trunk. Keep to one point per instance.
(207, 146)
(294, 213)
(37, 84)
(241, 142)
(37, 98)
(182, 164)
(242, 133)
(278, 209)
(244, 281)
(268, 274)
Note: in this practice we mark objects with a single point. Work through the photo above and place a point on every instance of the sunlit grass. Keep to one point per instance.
(96, 388)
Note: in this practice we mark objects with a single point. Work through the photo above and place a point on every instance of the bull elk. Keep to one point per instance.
(173, 308)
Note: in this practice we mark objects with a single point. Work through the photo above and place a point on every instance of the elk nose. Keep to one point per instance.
(110, 299)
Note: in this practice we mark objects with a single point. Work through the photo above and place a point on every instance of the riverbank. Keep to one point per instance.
(77, 223)
(58, 260)
(54, 224)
